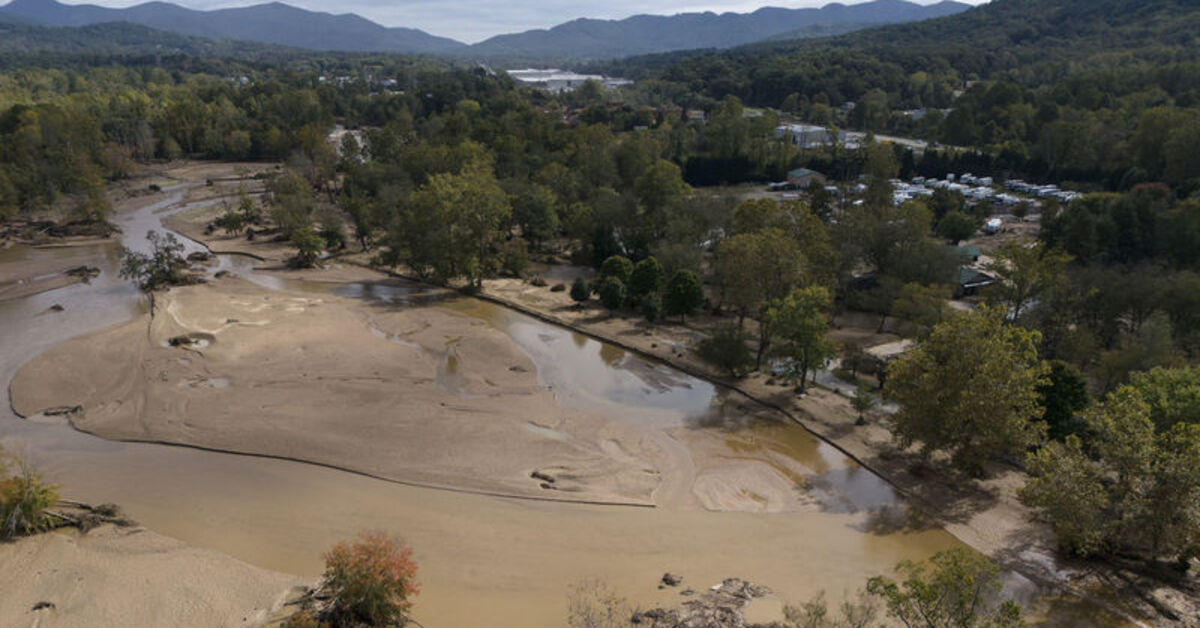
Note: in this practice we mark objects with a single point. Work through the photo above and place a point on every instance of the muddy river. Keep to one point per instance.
(484, 561)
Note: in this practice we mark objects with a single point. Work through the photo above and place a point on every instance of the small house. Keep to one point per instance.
(971, 281)
(803, 177)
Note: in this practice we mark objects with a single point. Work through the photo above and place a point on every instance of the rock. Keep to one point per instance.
(199, 256)
(720, 607)
(687, 592)
(671, 580)
(231, 321)
(221, 274)
(43, 606)
(518, 369)
(538, 282)
(559, 287)
(538, 475)
(57, 308)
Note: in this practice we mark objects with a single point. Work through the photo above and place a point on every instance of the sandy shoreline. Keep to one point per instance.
(133, 577)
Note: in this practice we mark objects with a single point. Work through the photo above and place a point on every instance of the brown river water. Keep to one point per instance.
(490, 561)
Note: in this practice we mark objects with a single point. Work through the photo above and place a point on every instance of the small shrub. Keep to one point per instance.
(308, 248)
(372, 581)
(580, 290)
(24, 499)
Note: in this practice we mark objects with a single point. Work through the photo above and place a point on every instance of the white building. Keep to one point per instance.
(559, 81)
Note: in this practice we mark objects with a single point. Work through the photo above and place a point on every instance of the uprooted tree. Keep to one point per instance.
(163, 266)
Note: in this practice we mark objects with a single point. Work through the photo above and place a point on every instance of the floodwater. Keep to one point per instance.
(484, 561)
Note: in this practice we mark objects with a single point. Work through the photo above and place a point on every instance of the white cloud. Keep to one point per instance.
(475, 20)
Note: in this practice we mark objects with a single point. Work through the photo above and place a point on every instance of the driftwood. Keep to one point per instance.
(319, 600)
(86, 517)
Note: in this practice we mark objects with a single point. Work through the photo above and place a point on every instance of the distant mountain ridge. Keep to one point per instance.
(646, 34)
(583, 39)
(273, 23)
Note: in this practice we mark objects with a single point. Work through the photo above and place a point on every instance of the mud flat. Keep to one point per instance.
(413, 394)
(67, 580)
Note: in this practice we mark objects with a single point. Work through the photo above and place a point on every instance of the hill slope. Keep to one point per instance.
(1038, 41)
(20, 42)
(273, 23)
(641, 34)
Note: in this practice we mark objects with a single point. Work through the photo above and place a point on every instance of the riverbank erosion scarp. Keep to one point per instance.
(414, 393)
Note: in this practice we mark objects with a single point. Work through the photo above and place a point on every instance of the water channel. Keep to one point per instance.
(484, 561)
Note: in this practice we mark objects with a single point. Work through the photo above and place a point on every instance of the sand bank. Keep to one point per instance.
(414, 394)
(87, 581)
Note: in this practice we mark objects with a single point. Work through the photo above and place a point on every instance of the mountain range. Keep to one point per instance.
(582, 39)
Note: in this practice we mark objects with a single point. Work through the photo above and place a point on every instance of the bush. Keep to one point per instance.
(580, 290)
(24, 499)
(372, 581)
(308, 248)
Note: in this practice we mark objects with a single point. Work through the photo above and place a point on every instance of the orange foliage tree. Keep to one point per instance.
(372, 581)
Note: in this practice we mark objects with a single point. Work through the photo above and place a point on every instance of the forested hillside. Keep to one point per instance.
(603, 39)
(1103, 91)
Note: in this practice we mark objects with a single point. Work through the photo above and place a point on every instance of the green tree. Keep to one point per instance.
(612, 292)
(308, 248)
(1025, 274)
(955, 589)
(1133, 490)
(1173, 395)
(617, 266)
(1063, 395)
(534, 209)
(452, 225)
(725, 348)
(970, 388)
(800, 325)
(955, 227)
(648, 277)
(924, 307)
(758, 267)
(684, 295)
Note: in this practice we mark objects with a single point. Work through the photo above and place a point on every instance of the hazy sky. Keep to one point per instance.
(475, 20)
